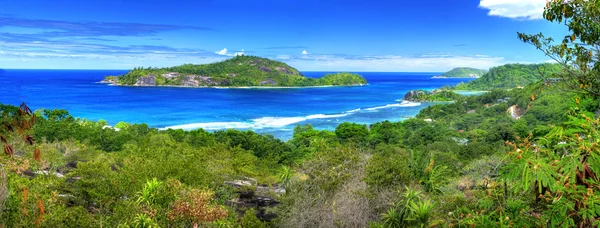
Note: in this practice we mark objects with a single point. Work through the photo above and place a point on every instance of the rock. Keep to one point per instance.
(171, 75)
(191, 81)
(255, 196)
(284, 70)
(264, 68)
(108, 81)
(149, 80)
(268, 81)
(72, 164)
(414, 95)
(515, 112)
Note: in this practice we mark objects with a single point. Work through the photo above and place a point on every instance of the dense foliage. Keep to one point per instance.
(577, 52)
(464, 72)
(508, 158)
(235, 72)
(511, 76)
(434, 95)
(412, 172)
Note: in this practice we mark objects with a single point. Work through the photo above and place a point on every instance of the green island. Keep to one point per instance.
(463, 72)
(431, 96)
(511, 76)
(239, 71)
(525, 157)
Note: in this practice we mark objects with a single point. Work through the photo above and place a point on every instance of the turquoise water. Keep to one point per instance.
(271, 111)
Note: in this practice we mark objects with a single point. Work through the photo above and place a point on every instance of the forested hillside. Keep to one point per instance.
(511, 76)
(464, 72)
(82, 173)
(508, 158)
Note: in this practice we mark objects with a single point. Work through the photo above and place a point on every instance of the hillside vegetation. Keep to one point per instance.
(508, 158)
(235, 72)
(510, 76)
(464, 72)
(81, 173)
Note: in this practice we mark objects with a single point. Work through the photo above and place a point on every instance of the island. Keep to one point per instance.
(239, 71)
(511, 76)
(463, 72)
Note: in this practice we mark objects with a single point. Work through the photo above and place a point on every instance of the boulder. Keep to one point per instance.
(264, 68)
(171, 75)
(284, 70)
(414, 95)
(149, 80)
(268, 81)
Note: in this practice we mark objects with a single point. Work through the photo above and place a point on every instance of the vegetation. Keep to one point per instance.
(473, 165)
(464, 72)
(413, 172)
(235, 72)
(435, 95)
(511, 76)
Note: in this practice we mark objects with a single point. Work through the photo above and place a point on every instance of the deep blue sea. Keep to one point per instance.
(270, 111)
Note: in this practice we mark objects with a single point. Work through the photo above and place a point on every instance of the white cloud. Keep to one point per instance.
(225, 52)
(222, 52)
(516, 9)
(304, 52)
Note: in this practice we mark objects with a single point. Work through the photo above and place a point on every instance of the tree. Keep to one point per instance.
(352, 132)
(579, 51)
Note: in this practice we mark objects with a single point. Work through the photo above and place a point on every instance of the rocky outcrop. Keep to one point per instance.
(515, 112)
(190, 80)
(252, 195)
(110, 80)
(264, 68)
(171, 75)
(284, 70)
(269, 81)
(149, 80)
(415, 95)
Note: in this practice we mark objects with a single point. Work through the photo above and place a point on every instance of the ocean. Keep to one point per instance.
(265, 111)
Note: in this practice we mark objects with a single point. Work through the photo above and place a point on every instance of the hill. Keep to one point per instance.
(238, 71)
(510, 76)
(463, 72)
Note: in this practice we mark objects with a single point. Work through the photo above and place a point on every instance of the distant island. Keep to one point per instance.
(239, 71)
(462, 72)
(511, 76)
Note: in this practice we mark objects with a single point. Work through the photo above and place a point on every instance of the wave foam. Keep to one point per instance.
(402, 104)
(278, 122)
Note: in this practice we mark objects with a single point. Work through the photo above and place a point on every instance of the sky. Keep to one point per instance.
(311, 35)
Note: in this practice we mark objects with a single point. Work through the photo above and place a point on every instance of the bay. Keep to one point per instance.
(267, 111)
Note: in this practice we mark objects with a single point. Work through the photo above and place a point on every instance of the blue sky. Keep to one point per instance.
(311, 35)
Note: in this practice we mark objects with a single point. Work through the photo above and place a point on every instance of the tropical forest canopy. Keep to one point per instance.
(464, 72)
(508, 158)
(511, 76)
